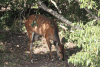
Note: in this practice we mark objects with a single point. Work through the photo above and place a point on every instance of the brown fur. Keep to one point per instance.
(45, 27)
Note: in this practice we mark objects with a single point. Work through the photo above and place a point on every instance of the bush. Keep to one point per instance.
(89, 40)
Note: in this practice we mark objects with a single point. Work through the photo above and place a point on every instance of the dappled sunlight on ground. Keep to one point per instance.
(15, 52)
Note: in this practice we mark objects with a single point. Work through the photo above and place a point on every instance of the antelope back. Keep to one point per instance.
(43, 26)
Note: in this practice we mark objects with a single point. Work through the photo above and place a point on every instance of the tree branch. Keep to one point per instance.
(54, 13)
(92, 14)
(89, 11)
(56, 6)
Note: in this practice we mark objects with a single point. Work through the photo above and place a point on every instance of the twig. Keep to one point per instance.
(92, 14)
(56, 6)
(89, 11)
(63, 27)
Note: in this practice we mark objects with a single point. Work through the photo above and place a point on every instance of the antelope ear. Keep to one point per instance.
(63, 40)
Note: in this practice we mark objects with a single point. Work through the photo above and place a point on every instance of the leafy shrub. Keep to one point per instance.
(89, 40)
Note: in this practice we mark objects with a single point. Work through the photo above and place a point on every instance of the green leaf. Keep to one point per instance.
(81, 6)
(99, 13)
(88, 62)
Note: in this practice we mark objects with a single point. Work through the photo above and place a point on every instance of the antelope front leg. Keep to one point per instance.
(31, 51)
(31, 46)
(56, 46)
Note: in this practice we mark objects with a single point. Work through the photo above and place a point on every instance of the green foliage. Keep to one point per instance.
(89, 40)
(2, 37)
(4, 18)
(88, 4)
(7, 20)
(4, 1)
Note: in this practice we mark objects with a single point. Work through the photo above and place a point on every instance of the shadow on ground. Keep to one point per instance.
(15, 53)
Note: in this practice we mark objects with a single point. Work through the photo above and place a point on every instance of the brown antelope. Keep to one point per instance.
(47, 28)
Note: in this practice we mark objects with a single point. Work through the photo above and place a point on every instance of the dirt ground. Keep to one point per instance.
(15, 53)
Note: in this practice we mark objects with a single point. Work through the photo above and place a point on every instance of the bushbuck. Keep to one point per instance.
(40, 25)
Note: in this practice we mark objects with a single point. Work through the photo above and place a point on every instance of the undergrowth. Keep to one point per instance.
(89, 39)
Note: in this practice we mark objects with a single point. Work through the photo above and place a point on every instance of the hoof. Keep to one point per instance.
(59, 59)
(31, 60)
(52, 60)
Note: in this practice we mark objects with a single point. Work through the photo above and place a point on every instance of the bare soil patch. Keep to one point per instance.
(15, 53)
